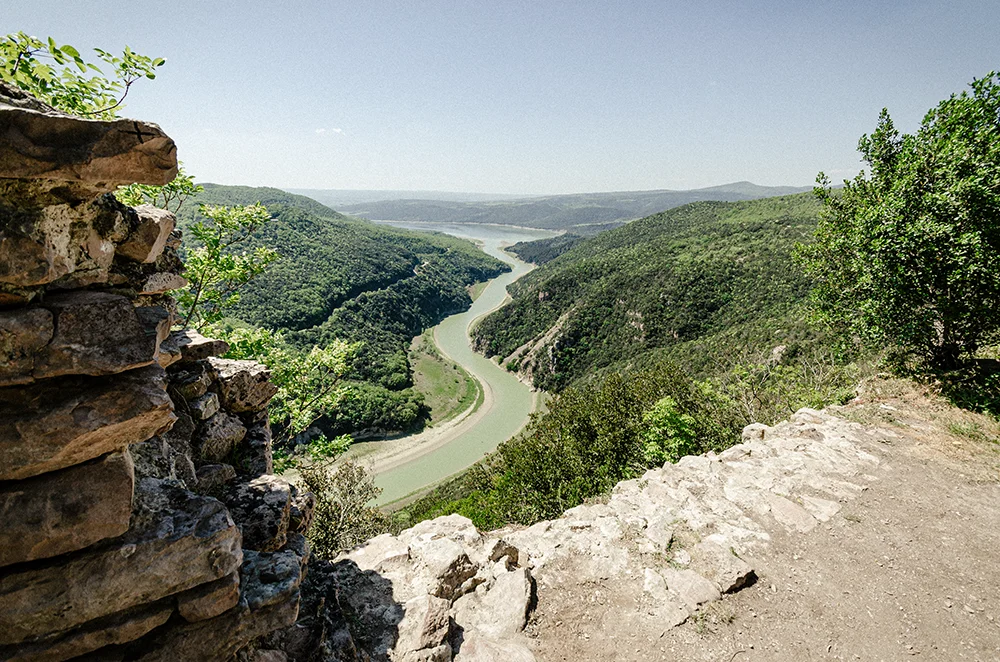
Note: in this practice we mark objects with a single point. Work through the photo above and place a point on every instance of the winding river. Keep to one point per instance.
(407, 465)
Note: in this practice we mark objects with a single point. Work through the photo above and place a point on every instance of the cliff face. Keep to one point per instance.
(140, 519)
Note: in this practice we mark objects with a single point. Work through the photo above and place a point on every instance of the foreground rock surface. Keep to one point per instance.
(61, 422)
(66, 510)
(606, 580)
(177, 540)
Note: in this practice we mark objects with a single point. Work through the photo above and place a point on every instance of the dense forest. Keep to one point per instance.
(670, 278)
(347, 279)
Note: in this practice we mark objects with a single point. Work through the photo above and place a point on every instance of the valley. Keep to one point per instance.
(410, 464)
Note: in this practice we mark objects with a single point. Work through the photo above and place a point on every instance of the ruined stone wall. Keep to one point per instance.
(139, 517)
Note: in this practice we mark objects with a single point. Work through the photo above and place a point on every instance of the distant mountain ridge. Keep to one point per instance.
(581, 213)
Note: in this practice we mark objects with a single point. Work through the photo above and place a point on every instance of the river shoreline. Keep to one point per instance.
(407, 466)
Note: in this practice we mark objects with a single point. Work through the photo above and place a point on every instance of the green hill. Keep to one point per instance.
(582, 213)
(345, 278)
(673, 278)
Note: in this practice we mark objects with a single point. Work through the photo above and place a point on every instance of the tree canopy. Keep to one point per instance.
(908, 254)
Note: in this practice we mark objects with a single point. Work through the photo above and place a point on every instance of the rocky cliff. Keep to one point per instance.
(140, 517)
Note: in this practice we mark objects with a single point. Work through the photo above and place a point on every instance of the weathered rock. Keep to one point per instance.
(192, 380)
(149, 237)
(216, 437)
(65, 510)
(267, 655)
(300, 514)
(41, 142)
(163, 281)
(204, 407)
(118, 628)
(62, 422)
(23, 334)
(156, 322)
(209, 600)
(96, 333)
(503, 610)
(791, 515)
(255, 456)
(56, 233)
(721, 566)
(424, 625)
(196, 347)
(170, 352)
(440, 653)
(261, 510)
(213, 478)
(244, 386)
(477, 648)
(178, 540)
(693, 589)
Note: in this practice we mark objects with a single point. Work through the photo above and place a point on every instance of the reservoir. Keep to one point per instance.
(433, 454)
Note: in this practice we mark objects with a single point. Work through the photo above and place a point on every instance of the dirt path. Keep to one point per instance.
(906, 570)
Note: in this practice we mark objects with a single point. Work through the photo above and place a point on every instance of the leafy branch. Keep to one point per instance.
(59, 76)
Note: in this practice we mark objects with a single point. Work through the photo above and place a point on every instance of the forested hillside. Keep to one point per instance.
(668, 279)
(582, 213)
(343, 278)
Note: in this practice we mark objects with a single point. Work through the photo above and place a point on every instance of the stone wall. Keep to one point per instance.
(140, 517)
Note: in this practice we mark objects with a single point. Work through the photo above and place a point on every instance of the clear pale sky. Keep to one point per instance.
(529, 97)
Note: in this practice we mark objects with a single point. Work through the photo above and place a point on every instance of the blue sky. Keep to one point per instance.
(529, 97)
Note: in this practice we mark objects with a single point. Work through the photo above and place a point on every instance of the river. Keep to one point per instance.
(409, 464)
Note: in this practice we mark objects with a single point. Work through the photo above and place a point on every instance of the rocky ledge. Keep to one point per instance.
(664, 547)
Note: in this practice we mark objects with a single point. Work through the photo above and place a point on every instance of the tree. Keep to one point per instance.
(908, 255)
(169, 196)
(309, 383)
(59, 76)
(216, 270)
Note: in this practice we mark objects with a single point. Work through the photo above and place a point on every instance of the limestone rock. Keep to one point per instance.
(61, 422)
(163, 281)
(255, 456)
(261, 509)
(56, 233)
(192, 380)
(791, 515)
(149, 237)
(170, 352)
(41, 142)
(424, 625)
(118, 628)
(204, 407)
(721, 566)
(23, 334)
(213, 478)
(244, 386)
(177, 541)
(216, 437)
(209, 600)
(477, 648)
(300, 513)
(96, 333)
(65, 510)
(693, 589)
(196, 347)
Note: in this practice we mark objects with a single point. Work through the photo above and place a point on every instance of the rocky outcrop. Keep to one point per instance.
(117, 435)
(660, 549)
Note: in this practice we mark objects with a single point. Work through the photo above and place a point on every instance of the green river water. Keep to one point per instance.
(512, 402)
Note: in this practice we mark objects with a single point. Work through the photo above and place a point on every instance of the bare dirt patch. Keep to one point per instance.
(907, 570)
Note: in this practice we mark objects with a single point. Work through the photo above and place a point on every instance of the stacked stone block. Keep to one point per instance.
(140, 521)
